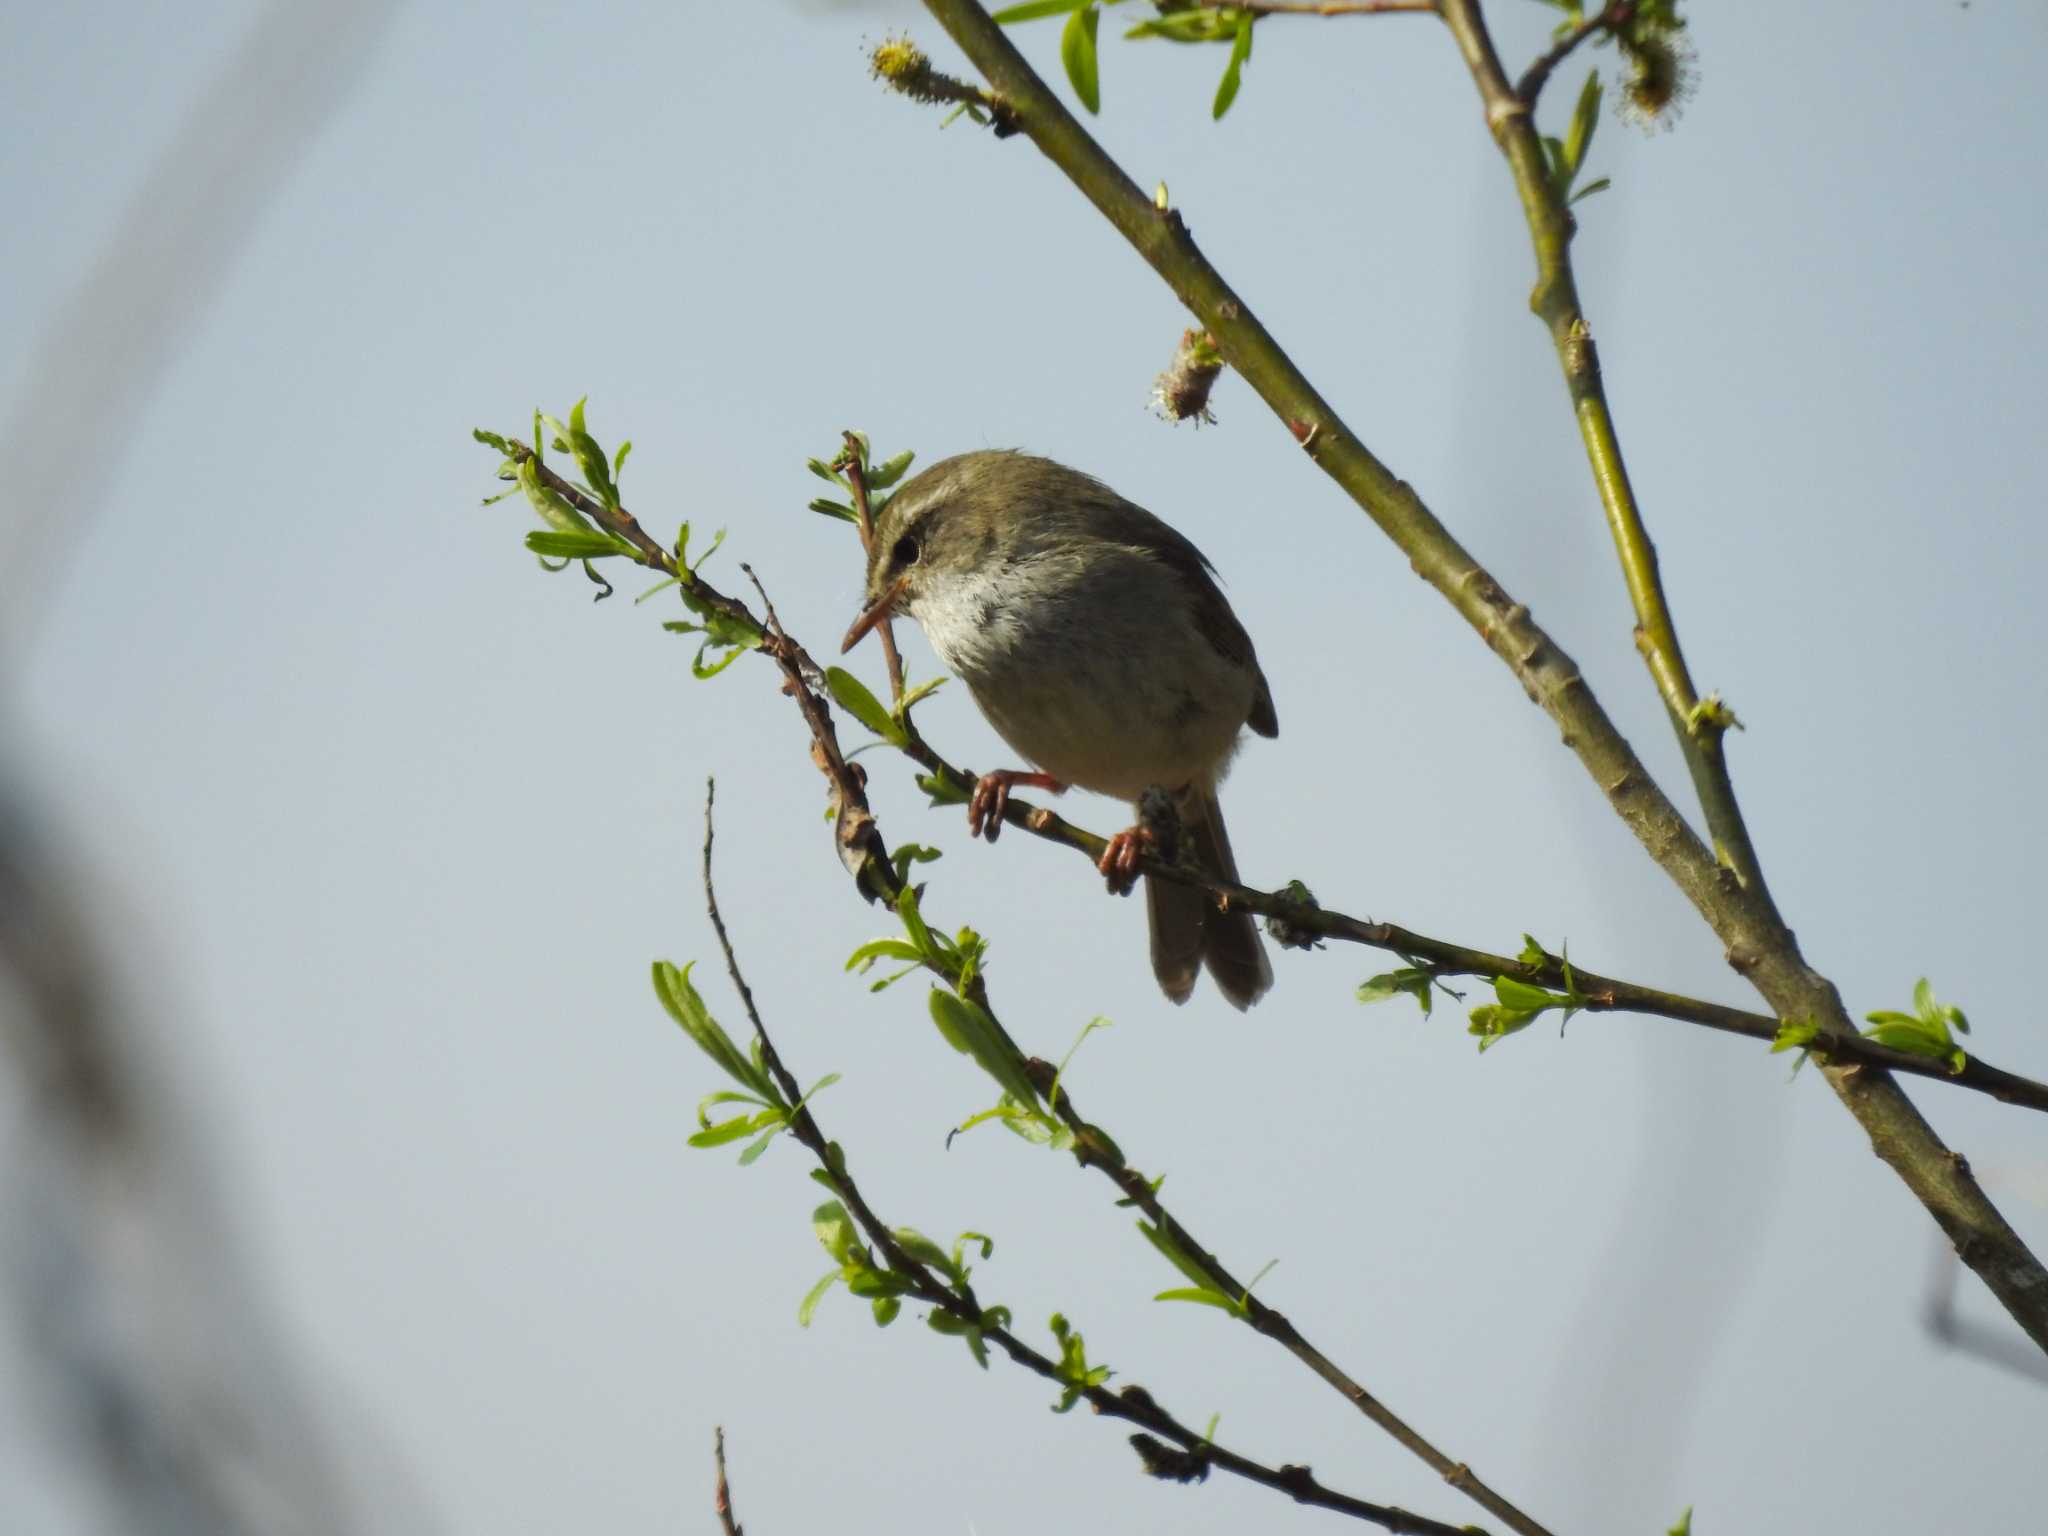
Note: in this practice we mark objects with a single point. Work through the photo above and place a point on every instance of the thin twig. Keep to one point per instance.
(1530, 86)
(1701, 729)
(722, 1501)
(1591, 992)
(1756, 941)
(857, 477)
(1093, 1149)
(1132, 1404)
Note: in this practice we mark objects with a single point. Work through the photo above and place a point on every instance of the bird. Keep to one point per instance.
(1095, 639)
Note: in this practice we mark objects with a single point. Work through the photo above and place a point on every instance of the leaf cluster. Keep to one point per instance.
(880, 479)
(570, 535)
(772, 1112)
(1202, 1289)
(883, 1286)
(1176, 23)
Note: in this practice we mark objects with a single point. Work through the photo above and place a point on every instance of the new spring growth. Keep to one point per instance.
(901, 65)
(1182, 392)
(1662, 69)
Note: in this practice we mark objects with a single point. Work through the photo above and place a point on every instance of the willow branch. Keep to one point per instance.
(1132, 1404)
(1298, 922)
(1757, 943)
(856, 476)
(1701, 730)
(1530, 86)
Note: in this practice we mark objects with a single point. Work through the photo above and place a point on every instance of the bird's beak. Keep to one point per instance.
(875, 612)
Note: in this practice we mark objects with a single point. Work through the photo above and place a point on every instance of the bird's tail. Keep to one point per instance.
(1188, 931)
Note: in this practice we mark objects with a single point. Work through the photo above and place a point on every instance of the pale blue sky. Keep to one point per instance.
(387, 826)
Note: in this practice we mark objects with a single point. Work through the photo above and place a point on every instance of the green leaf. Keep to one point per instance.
(1034, 10)
(680, 999)
(815, 1295)
(1684, 1526)
(921, 1248)
(1601, 184)
(1077, 53)
(753, 1153)
(588, 455)
(857, 701)
(885, 475)
(1794, 1035)
(942, 791)
(726, 1130)
(1585, 118)
(838, 509)
(885, 1309)
(877, 949)
(909, 854)
(1175, 1255)
(1201, 1294)
(553, 507)
(1910, 1035)
(928, 947)
(969, 1030)
(834, 1229)
(1240, 50)
(920, 692)
(1532, 952)
(1522, 997)
(1493, 1024)
(491, 439)
(1409, 980)
(554, 545)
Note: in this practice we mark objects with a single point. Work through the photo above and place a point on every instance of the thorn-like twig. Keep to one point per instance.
(723, 1501)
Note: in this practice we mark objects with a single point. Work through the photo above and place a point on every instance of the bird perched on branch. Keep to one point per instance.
(1095, 640)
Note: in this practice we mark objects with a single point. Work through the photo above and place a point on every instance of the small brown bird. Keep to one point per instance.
(1096, 642)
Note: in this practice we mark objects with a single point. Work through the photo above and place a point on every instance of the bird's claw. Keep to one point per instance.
(1119, 861)
(991, 799)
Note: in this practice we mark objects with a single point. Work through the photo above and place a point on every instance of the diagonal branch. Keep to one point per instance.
(1701, 726)
(1132, 1404)
(1758, 944)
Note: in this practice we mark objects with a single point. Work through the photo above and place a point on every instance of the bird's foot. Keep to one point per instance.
(1119, 861)
(991, 798)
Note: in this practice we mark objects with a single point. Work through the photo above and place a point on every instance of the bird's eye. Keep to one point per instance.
(905, 552)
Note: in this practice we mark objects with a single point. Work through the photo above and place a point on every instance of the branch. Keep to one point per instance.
(857, 477)
(1297, 921)
(722, 1499)
(1758, 944)
(1530, 86)
(1700, 726)
(1132, 1404)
